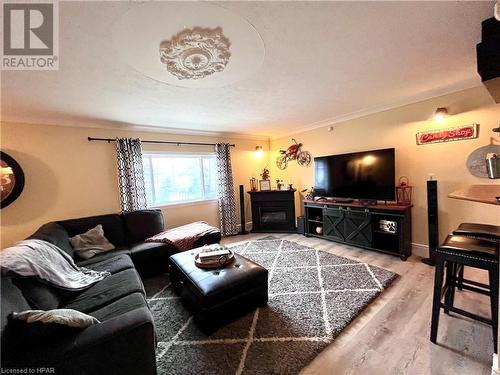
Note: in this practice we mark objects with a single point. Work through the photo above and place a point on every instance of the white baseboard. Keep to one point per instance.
(420, 250)
(495, 368)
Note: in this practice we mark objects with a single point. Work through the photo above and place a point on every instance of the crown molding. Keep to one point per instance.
(95, 123)
(468, 84)
(122, 126)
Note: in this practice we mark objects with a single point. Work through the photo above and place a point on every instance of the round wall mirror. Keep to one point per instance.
(12, 179)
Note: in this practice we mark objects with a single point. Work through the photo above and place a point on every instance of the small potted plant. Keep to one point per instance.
(265, 174)
(265, 184)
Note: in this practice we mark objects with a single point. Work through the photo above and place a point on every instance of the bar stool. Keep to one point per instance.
(475, 230)
(459, 251)
(484, 231)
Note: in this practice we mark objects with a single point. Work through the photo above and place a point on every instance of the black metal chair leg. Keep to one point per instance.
(453, 284)
(450, 268)
(461, 277)
(436, 300)
(493, 276)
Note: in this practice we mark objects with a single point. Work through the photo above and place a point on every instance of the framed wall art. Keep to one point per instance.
(265, 185)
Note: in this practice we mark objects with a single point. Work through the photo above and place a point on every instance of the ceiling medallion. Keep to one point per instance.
(195, 53)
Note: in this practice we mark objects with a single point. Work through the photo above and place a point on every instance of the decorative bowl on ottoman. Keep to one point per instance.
(215, 296)
(217, 260)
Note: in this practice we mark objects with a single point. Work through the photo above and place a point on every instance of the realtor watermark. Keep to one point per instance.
(30, 35)
(28, 370)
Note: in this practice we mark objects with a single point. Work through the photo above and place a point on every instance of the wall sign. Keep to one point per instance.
(12, 180)
(447, 135)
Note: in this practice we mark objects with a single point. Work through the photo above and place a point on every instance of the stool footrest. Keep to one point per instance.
(471, 285)
(468, 314)
(475, 283)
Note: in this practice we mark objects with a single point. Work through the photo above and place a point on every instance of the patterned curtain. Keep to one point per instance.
(225, 188)
(130, 174)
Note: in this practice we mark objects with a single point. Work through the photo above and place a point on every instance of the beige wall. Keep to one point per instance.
(397, 128)
(67, 176)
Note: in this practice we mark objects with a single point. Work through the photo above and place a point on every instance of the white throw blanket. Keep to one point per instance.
(49, 263)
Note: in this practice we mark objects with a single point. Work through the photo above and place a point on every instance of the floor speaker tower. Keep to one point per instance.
(432, 220)
(242, 210)
(301, 225)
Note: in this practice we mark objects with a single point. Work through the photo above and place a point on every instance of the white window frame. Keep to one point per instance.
(173, 154)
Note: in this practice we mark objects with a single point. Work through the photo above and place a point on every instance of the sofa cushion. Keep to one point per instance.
(103, 256)
(35, 344)
(150, 257)
(106, 291)
(12, 300)
(56, 235)
(119, 307)
(39, 295)
(113, 226)
(142, 224)
(122, 345)
(113, 264)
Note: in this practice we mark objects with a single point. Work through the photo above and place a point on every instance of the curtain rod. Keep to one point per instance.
(163, 142)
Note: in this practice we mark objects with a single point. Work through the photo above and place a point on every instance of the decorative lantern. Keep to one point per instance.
(253, 184)
(403, 192)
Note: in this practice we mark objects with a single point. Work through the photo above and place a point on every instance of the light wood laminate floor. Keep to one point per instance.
(392, 335)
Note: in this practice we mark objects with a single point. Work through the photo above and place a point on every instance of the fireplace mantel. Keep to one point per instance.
(273, 211)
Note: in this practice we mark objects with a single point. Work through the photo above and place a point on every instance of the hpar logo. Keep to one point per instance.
(30, 35)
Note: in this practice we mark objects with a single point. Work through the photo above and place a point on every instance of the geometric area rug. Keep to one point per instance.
(313, 296)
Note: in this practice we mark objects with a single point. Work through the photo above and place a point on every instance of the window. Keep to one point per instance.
(179, 178)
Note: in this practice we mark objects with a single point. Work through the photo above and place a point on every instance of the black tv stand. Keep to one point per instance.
(380, 227)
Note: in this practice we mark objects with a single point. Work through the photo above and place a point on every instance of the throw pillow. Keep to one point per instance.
(90, 243)
(65, 317)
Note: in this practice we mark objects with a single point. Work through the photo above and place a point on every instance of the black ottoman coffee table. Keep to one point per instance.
(216, 296)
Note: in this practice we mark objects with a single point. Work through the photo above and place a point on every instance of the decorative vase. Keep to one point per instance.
(253, 184)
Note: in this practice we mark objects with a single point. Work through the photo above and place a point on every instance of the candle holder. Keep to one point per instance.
(253, 184)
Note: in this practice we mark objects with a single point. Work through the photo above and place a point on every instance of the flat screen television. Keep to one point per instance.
(358, 175)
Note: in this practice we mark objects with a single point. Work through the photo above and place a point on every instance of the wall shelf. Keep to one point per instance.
(315, 221)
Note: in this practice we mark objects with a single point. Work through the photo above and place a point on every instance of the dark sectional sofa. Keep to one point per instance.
(124, 342)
